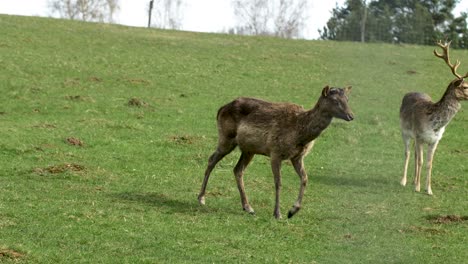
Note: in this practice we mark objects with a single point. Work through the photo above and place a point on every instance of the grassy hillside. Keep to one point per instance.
(106, 131)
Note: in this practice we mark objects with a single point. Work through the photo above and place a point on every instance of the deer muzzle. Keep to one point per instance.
(349, 117)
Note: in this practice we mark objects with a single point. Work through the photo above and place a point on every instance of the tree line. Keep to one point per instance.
(397, 21)
(86, 10)
(391, 21)
(281, 18)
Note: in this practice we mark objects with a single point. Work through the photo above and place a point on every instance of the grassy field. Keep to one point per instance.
(106, 131)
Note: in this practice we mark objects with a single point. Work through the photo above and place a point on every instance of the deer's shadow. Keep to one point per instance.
(166, 203)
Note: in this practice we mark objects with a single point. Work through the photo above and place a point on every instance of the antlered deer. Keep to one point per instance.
(425, 121)
(279, 130)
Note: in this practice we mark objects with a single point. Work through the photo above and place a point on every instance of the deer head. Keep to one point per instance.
(460, 89)
(335, 101)
(458, 85)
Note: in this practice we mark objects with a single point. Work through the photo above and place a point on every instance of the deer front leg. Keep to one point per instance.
(418, 160)
(430, 155)
(243, 162)
(276, 168)
(298, 164)
(407, 157)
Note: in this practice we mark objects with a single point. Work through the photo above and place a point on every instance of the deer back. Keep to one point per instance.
(252, 110)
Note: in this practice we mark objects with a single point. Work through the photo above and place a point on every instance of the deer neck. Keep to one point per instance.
(312, 123)
(445, 109)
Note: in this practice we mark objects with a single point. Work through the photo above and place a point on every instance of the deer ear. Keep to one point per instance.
(325, 91)
(348, 89)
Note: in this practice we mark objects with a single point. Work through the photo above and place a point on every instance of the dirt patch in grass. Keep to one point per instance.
(71, 82)
(74, 97)
(461, 151)
(94, 79)
(136, 102)
(137, 81)
(77, 81)
(43, 147)
(422, 229)
(74, 141)
(447, 219)
(55, 169)
(79, 98)
(184, 140)
(45, 125)
(214, 193)
(10, 254)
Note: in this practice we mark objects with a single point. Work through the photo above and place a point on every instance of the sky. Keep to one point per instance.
(199, 15)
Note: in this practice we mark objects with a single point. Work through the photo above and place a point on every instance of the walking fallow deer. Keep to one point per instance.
(279, 130)
(425, 121)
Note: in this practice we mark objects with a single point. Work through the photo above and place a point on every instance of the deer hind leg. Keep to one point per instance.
(430, 155)
(276, 168)
(243, 162)
(418, 160)
(224, 147)
(299, 167)
(406, 140)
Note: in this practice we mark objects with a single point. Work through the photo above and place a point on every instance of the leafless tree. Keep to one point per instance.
(289, 19)
(168, 14)
(282, 18)
(113, 6)
(253, 16)
(86, 10)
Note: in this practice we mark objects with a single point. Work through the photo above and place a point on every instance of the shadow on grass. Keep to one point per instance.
(168, 204)
(362, 182)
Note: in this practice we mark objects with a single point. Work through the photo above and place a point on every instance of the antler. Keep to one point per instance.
(445, 47)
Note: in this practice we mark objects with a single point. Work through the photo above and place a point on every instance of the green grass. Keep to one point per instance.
(128, 194)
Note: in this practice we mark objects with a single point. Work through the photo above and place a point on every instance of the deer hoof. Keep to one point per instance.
(201, 200)
(277, 215)
(403, 183)
(249, 209)
(293, 211)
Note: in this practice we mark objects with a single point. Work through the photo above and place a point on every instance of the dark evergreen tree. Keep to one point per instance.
(397, 21)
(345, 23)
